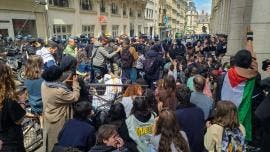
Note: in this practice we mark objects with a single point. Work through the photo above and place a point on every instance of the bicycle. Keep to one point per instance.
(32, 132)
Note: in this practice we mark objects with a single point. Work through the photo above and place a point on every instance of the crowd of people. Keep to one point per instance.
(160, 96)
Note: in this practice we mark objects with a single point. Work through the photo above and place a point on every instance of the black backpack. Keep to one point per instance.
(127, 58)
(149, 66)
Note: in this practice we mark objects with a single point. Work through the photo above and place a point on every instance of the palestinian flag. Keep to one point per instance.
(239, 90)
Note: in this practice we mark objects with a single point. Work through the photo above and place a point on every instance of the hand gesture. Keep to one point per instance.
(174, 63)
(75, 78)
(120, 142)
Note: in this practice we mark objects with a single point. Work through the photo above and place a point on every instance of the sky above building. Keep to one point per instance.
(203, 5)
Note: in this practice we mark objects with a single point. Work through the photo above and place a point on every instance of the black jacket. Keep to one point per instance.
(262, 112)
(103, 148)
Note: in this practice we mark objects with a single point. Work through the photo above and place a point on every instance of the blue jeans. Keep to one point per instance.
(129, 74)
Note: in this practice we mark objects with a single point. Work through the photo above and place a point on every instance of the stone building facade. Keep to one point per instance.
(172, 17)
(45, 18)
(192, 18)
(22, 17)
(203, 23)
(232, 17)
(151, 18)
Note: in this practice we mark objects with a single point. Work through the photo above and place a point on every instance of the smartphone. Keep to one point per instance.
(265, 64)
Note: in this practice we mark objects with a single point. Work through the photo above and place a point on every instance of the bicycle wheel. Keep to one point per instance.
(32, 136)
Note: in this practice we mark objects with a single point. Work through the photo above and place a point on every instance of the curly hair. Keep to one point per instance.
(133, 90)
(7, 85)
(33, 67)
(169, 130)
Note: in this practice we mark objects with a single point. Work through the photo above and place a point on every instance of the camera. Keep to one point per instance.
(265, 64)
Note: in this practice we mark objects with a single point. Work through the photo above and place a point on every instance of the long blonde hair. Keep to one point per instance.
(33, 67)
(7, 84)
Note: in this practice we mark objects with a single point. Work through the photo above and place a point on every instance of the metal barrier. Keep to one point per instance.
(102, 98)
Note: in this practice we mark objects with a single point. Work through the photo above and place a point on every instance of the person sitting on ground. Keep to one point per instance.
(77, 133)
(167, 134)
(140, 124)
(111, 92)
(190, 118)
(225, 133)
(199, 98)
(108, 139)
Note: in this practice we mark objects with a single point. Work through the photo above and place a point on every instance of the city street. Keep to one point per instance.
(134, 75)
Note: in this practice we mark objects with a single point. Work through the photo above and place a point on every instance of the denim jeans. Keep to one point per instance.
(129, 74)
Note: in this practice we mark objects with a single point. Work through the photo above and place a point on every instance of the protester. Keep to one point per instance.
(262, 112)
(57, 101)
(167, 134)
(71, 47)
(190, 118)
(33, 70)
(140, 124)
(11, 113)
(130, 94)
(99, 55)
(238, 83)
(199, 98)
(117, 117)
(108, 139)
(47, 53)
(225, 133)
(111, 92)
(129, 57)
(77, 133)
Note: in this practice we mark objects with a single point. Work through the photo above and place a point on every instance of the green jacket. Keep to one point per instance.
(70, 50)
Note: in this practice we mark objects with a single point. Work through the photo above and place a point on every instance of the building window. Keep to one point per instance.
(24, 27)
(102, 6)
(124, 10)
(131, 13)
(145, 30)
(88, 30)
(114, 8)
(125, 29)
(59, 3)
(139, 13)
(86, 5)
(131, 28)
(115, 30)
(62, 31)
(139, 29)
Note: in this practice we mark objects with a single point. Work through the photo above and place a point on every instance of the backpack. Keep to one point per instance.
(126, 58)
(233, 140)
(149, 66)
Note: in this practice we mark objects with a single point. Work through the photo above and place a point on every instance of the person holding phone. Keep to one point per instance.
(57, 101)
